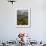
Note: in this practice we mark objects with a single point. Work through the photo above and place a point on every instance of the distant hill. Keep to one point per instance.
(22, 12)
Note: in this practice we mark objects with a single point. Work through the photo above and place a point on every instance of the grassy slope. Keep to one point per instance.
(22, 20)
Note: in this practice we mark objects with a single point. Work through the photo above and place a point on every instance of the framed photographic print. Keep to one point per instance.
(23, 16)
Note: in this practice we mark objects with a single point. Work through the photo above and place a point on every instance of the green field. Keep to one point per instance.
(22, 20)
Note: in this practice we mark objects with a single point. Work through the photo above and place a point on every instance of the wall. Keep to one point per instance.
(8, 28)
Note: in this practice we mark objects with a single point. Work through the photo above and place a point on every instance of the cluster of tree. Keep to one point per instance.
(22, 20)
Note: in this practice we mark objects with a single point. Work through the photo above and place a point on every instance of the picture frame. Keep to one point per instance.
(23, 17)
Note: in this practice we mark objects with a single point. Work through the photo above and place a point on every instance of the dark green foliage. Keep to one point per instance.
(22, 20)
